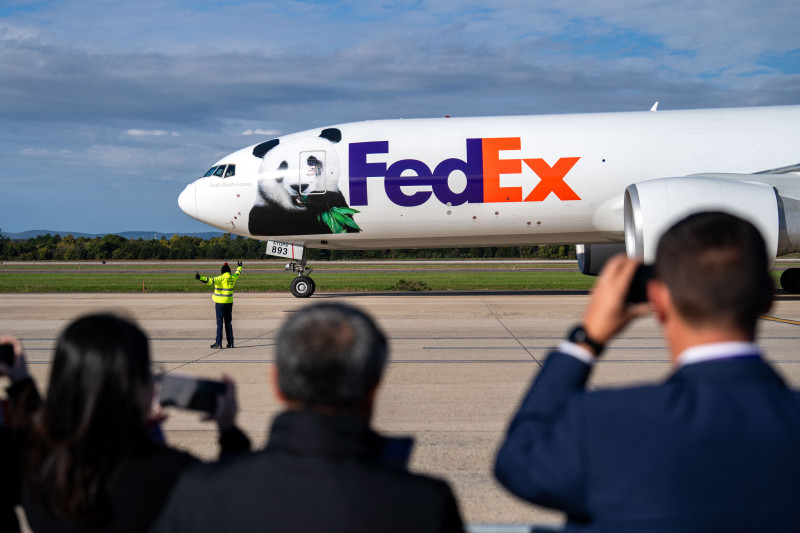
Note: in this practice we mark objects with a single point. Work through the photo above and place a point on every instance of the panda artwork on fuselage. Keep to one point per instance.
(298, 188)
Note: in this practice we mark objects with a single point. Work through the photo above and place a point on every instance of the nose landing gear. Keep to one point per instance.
(302, 286)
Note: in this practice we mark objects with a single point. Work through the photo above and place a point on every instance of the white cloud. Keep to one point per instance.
(155, 133)
(41, 152)
(261, 132)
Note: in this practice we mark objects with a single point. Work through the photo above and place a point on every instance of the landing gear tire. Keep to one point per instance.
(303, 287)
(790, 280)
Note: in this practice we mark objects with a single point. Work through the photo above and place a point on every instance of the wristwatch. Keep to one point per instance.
(579, 336)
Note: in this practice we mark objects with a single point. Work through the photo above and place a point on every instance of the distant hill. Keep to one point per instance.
(127, 234)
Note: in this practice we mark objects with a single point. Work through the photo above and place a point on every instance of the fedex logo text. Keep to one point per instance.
(482, 168)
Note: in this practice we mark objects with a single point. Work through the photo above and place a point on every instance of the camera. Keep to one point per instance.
(638, 290)
(7, 354)
(186, 392)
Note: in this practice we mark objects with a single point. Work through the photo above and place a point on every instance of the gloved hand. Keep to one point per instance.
(239, 263)
(197, 275)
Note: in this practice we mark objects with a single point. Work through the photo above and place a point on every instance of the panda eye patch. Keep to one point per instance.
(283, 166)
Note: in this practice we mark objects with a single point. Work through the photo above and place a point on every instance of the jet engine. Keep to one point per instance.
(651, 207)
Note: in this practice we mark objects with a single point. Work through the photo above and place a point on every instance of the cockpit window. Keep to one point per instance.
(221, 171)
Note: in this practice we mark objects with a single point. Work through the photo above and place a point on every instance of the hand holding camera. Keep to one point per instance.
(215, 398)
(12, 360)
(611, 307)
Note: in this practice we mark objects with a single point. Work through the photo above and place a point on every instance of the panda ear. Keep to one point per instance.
(260, 150)
(332, 134)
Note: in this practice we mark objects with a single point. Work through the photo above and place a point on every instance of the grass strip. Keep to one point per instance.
(327, 281)
(210, 268)
(278, 281)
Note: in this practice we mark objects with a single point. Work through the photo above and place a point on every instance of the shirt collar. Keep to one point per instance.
(716, 351)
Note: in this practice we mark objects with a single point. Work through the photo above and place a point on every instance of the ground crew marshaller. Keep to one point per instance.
(223, 300)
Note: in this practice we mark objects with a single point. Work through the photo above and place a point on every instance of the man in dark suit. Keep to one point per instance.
(714, 448)
(324, 468)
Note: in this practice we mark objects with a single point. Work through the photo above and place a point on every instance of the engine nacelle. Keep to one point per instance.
(592, 257)
(651, 207)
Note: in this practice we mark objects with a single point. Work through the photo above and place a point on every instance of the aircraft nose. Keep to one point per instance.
(187, 200)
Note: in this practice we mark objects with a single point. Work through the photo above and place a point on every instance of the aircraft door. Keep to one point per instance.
(311, 177)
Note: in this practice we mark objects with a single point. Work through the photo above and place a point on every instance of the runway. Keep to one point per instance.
(459, 365)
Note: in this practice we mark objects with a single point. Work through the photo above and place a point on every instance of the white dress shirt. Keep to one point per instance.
(694, 354)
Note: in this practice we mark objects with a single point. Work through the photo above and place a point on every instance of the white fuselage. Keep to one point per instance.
(487, 181)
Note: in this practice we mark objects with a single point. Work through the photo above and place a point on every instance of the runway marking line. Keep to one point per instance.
(781, 320)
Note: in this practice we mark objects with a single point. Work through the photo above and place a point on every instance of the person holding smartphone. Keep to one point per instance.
(21, 398)
(713, 448)
(93, 463)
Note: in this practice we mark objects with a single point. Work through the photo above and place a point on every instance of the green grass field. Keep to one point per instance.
(269, 277)
(270, 266)
(254, 280)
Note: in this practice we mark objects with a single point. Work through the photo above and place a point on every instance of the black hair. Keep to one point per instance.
(93, 417)
(715, 266)
(225, 268)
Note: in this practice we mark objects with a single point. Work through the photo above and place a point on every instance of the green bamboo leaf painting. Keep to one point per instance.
(337, 218)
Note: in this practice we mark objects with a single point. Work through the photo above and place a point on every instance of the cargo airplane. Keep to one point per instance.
(606, 182)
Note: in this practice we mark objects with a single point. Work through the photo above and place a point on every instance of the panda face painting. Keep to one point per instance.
(298, 188)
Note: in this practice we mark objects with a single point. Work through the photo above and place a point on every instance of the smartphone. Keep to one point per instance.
(7, 354)
(638, 291)
(186, 392)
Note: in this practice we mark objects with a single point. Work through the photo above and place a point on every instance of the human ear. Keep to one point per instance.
(276, 388)
(659, 297)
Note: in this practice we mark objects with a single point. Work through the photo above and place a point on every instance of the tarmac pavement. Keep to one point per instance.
(459, 365)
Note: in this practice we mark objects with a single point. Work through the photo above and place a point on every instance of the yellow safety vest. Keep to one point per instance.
(223, 286)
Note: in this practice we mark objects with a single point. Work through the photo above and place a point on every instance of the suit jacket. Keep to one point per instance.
(714, 448)
(317, 473)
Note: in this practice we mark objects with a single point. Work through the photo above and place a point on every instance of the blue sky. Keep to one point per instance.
(108, 109)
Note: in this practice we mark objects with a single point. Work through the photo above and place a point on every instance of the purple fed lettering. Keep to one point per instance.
(415, 173)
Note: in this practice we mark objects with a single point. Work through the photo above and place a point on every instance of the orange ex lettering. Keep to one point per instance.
(552, 179)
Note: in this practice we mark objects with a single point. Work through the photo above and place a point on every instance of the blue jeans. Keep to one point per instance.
(224, 313)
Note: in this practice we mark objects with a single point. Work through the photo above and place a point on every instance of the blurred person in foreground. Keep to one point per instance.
(324, 468)
(714, 448)
(22, 399)
(95, 459)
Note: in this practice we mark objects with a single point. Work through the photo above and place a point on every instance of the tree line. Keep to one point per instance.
(114, 247)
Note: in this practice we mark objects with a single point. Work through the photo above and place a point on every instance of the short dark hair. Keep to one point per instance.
(715, 266)
(330, 355)
(93, 416)
(225, 268)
